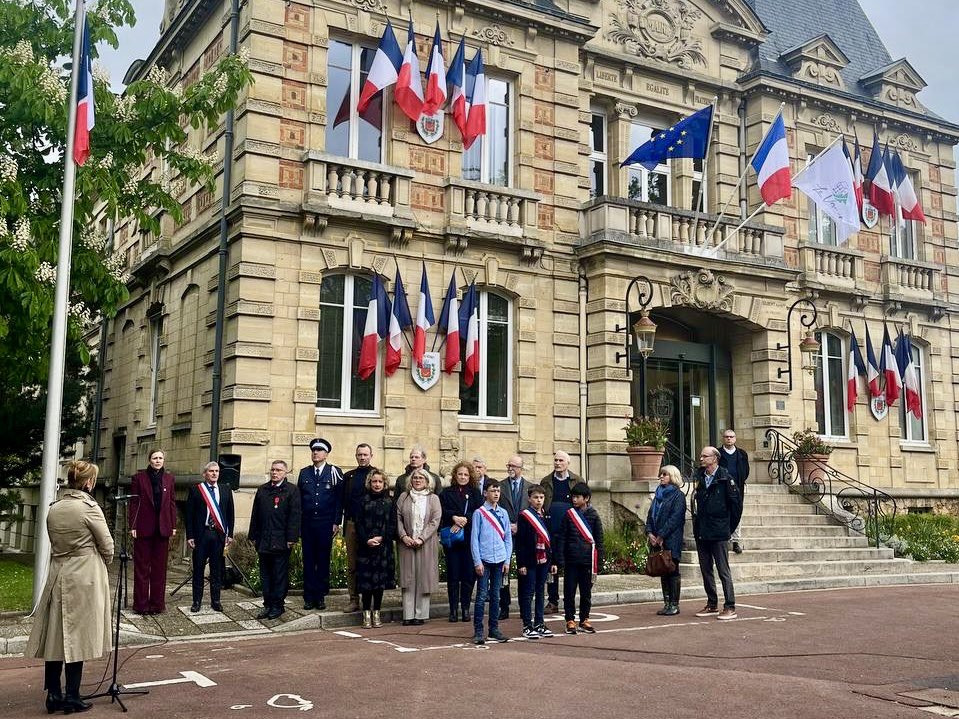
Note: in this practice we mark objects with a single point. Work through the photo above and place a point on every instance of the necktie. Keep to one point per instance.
(316, 473)
(516, 494)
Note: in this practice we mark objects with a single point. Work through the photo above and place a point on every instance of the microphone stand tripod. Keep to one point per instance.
(116, 690)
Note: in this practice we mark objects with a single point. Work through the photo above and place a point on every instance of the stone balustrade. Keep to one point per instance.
(367, 188)
(492, 209)
(911, 276)
(830, 266)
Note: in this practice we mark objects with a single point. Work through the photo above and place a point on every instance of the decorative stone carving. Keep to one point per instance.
(904, 142)
(819, 61)
(702, 290)
(494, 35)
(827, 122)
(658, 30)
(626, 111)
(370, 5)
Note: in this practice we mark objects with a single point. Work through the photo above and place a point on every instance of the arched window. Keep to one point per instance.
(914, 429)
(830, 377)
(343, 303)
(491, 396)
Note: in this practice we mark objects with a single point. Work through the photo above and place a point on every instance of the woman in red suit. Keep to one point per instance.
(152, 523)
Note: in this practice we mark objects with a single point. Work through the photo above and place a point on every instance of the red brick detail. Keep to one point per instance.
(297, 16)
(934, 174)
(545, 217)
(871, 271)
(192, 75)
(213, 52)
(543, 114)
(294, 56)
(204, 198)
(869, 242)
(428, 160)
(936, 228)
(427, 197)
(939, 256)
(543, 147)
(292, 134)
(294, 95)
(543, 182)
(291, 175)
(791, 257)
(936, 201)
(544, 78)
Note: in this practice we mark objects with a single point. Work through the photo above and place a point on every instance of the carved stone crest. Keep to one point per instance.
(702, 290)
(827, 122)
(659, 30)
(494, 35)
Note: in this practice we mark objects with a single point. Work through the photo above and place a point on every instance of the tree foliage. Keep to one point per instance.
(148, 123)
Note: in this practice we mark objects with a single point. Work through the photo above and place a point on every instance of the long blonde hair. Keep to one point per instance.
(80, 472)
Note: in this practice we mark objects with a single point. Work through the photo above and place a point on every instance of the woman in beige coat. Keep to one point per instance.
(72, 621)
(418, 516)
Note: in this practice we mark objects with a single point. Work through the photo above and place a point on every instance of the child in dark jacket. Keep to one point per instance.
(579, 549)
(534, 563)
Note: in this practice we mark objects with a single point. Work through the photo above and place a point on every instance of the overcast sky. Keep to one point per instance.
(924, 31)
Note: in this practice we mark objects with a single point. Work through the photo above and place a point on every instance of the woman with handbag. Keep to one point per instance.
(417, 526)
(664, 529)
(375, 523)
(458, 501)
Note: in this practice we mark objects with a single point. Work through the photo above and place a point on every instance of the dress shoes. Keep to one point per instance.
(503, 615)
(216, 606)
(54, 702)
(275, 613)
(418, 622)
(465, 615)
(309, 605)
(195, 607)
(265, 614)
(321, 605)
(75, 705)
(407, 622)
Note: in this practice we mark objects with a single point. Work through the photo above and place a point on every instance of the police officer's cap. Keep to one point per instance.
(319, 443)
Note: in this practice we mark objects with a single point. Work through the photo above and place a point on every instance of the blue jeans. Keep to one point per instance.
(534, 583)
(488, 589)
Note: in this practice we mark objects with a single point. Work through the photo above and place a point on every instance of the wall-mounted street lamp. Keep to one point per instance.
(643, 335)
(809, 347)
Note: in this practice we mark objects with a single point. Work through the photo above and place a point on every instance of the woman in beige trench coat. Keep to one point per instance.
(72, 621)
(418, 516)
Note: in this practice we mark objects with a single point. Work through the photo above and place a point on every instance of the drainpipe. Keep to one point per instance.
(224, 253)
(583, 463)
(743, 203)
(102, 361)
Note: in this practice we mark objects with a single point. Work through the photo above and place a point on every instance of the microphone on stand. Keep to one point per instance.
(124, 497)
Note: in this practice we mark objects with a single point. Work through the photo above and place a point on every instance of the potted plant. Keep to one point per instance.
(645, 443)
(811, 455)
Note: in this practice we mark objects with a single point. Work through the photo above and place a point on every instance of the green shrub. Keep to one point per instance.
(924, 536)
(243, 553)
(625, 550)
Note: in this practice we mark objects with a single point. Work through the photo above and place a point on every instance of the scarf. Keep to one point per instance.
(420, 500)
(663, 493)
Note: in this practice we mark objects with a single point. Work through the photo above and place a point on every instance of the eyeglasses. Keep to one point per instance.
(514, 466)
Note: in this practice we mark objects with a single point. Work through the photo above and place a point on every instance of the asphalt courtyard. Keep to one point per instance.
(876, 652)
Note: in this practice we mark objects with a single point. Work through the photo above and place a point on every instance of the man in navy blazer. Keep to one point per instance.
(209, 530)
(321, 504)
(514, 498)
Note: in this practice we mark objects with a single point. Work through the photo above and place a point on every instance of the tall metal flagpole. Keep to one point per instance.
(702, 179)
(58, 340)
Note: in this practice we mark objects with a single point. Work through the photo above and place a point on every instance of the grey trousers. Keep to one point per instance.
(716, 552)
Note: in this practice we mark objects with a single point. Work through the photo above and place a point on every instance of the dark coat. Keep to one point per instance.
(669, 522)
(506, 497)
(547, 484)
(718, 509)
(569, 546)
(145, 517)
(275, 517)
(375, 566)
(402, 483)
(353, 490)
(454, 503)
(321, 499)
(737, 464)
(196, 510)
(525, 543)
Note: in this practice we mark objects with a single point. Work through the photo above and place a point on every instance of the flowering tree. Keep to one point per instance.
(150, 120)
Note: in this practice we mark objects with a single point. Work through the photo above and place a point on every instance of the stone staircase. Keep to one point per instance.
(788, 546)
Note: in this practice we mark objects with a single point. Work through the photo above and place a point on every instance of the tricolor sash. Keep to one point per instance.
(491, 518)
(534, 519)
(584, 531)
(213, 507)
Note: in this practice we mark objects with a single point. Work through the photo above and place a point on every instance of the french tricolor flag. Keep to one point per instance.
(377, 326)
(384, 70)
(400, 320)
(450, 324)
(476, 85)
(909, 375)
(857, 179)
(85, 113)
(409, 84)
(469, 328)
(771, 163)
(435, 77)
(424, 320)
(905, 192)
(872, 368)
(856, 368)
(880, 184)
(456, 83)
(890, 369)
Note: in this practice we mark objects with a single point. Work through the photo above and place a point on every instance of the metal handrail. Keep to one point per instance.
(687, 465)
(861, 507)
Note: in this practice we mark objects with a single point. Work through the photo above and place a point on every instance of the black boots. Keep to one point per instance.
(453, 594)
(664, 582)
(72, 703)
(675, 585)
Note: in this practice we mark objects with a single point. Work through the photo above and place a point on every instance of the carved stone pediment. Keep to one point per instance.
(819, 60)
(897, 83)
(658, 30)
(702, 290)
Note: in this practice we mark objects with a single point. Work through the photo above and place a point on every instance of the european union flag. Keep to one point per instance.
(687, 138)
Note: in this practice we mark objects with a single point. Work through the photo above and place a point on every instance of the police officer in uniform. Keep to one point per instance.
(321, 503)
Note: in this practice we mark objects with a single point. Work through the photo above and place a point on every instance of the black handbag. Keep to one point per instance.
(659, 562)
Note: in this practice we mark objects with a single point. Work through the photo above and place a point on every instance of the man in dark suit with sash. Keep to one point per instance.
(209, 530)
(321, 504)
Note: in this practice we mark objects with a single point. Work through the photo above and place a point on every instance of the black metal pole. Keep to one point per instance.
(643, 403)
(223, 254)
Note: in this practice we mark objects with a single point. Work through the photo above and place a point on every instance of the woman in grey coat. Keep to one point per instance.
(418, 516)
(73, 615)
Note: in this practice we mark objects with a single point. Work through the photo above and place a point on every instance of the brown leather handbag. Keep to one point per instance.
(659, 562)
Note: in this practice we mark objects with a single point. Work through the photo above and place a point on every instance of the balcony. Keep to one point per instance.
(356, 189)
(478, 210)
(658, 228)
(832, 268)
(910, 282)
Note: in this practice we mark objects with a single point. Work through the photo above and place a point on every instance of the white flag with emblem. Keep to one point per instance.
(828, 181)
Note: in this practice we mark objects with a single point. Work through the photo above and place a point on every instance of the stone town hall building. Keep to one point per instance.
(541, 215)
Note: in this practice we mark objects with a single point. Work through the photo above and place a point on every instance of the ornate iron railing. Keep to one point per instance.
(861, 507)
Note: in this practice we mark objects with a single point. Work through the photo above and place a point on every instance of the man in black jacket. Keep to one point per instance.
(274, 529)
(354, 488)
(209, 530)
(717, 509)
(735, 461)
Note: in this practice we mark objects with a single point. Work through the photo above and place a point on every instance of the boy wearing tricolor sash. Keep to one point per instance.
(534, 563)
(491, 544)
(578, 549)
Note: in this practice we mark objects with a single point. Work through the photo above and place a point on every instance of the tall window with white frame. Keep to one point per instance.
(488, 158)
(491, 396)
(821, 227)
(647, 185)
(830, 379)
(343, 305)
(902, 240)
(699, 165)
(349, 133)
(156, 337)
(912, 428)
(598, 160)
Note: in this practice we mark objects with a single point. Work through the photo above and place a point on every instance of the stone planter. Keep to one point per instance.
(644, 462)
(811, 468)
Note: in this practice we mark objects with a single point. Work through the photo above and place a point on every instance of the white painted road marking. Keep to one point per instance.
(185, 678)
(304, 705)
